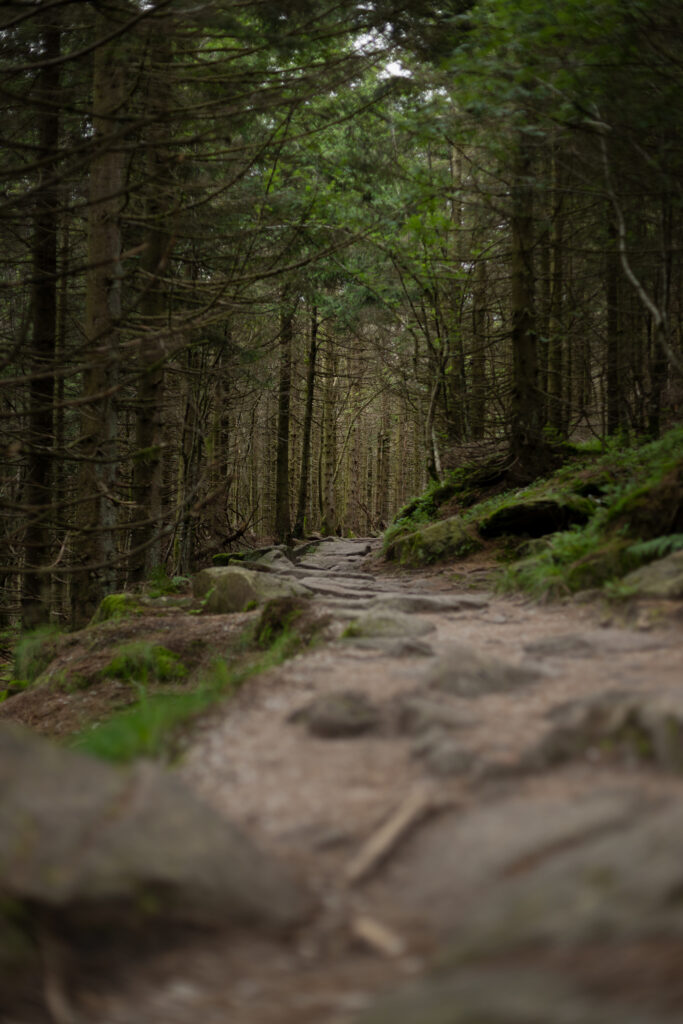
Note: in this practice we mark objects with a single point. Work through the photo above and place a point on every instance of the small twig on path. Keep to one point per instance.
(377, 936)
(420, 802)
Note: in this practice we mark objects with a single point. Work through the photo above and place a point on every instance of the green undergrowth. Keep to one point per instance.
(463, 485)
(630, 497)
(160, 584)
(143, 662)
(33, 653)
(155, 724)
(638, 519)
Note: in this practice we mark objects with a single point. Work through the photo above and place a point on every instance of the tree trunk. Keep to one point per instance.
(479, 331)
(98, 435)
(283, 521)
(302, 498)
(613, 355)
(146, 486)
(35, 598)
(556, 340)
(329, 514)
(527, 447)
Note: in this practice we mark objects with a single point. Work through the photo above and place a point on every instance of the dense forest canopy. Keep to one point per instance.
(266, 268)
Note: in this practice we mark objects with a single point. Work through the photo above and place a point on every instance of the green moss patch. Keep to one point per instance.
(435, 542)
(116, 606)
(142, 662)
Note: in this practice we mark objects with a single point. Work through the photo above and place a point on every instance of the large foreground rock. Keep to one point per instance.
(231, 588)
(551, 910)
(98, 846)
(505, 996)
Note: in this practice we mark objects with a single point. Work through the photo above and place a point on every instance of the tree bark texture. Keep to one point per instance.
(39, 500)
(97, 552)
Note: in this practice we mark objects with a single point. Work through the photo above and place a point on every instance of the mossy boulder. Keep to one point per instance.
(295, 615)
(117, 606)
(653, 510)
(435, 542)
(232, 588)
(608, 562)
(663, 578)
(536, 517)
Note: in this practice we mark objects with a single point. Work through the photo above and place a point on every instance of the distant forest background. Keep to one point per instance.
(267, 268)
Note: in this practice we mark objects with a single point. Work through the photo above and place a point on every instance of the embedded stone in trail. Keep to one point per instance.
(464, 860)
(428, 603)
(231, 588)
(442, 754)
(379, 623)
(615, 883)
(106, 848)
(336, 552)
(465, 672)
(506, 995)
(594, 641)
(342, 714)
(417, 713)
(627, 727)
(566, 645)
(337, 588)
(394, 647)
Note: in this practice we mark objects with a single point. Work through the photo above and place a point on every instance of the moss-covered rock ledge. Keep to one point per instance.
(599, 517)
(434, 542)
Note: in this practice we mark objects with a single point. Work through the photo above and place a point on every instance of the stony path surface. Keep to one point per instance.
(456, 776)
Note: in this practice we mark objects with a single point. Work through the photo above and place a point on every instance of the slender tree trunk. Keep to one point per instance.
(329, 513)
(147, 476)
(556, 341)
(283, 522)
(302, 497)
(189, 468)
(479, 331)
(35, 598)
(98, 440)
(614, 398)
(526, 406)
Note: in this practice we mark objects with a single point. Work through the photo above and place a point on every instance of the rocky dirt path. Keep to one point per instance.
(458, 777)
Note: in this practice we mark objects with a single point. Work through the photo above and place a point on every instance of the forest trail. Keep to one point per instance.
(419, 773)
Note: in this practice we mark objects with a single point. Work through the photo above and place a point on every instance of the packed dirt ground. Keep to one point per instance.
(483, 795)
